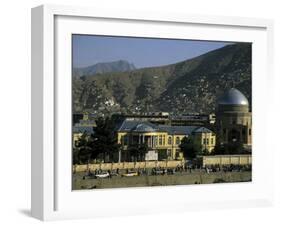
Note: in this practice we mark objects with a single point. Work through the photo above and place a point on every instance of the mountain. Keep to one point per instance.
(101, 68)
(189, 86)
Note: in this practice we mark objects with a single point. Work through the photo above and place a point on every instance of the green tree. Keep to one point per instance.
(102, 143)
(133, 151)
(138, 151)
(235, 148)
(143, 149)
(84, 152)
(104, 139)
(229, 149)
(189, 148)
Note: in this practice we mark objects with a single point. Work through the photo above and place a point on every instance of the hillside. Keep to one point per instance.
(189, 86)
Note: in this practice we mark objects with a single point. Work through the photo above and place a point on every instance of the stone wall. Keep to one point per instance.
(127, 165)
(227, 160)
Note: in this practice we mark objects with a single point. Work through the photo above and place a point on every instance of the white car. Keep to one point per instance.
(130, 174)
(102, 175)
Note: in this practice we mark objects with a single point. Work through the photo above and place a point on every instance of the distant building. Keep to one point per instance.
(191, 120)
(163, 140)
(78, 131)
(233, 119)
(155, 118)
(83, 118)
(164, 118)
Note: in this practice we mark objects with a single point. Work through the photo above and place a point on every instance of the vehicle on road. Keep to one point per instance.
(102, 175)
(130, 174)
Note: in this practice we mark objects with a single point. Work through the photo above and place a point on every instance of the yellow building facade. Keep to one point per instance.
(163, 141)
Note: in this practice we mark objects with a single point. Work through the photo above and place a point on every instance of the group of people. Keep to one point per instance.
(171, 171)
(227, 168)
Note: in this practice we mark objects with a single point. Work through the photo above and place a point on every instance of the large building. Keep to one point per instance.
(234, 119)
(163, 141)
(164, 118)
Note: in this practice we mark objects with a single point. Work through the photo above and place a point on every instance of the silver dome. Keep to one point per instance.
(142, 127)
(233, 97)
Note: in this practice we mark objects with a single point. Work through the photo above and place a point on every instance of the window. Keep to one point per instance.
(170, 140)
(160, 140)
(125, 140)
(212, 141)
(169, 152)
(205, 141)
(177, 140)
(250, 132)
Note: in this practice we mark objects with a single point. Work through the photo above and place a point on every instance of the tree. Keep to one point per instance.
(143, 149)
(134, 151)
(235, 148)
(138, 151)
(83, 152)
(189, 148)
(104, 140)
(230, 148)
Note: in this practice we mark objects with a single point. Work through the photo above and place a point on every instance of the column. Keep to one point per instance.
(119, 156)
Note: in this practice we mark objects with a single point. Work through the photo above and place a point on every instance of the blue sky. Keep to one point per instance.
(142, 52)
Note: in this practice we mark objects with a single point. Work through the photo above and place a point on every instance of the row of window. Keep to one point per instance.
(162, 140)
(239, 121)
(170, 141)
(206, 141)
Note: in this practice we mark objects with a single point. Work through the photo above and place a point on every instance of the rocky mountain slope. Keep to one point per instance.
(189, 86)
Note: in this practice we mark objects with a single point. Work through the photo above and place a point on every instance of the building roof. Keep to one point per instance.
(183, 130)
(138, 126)
(83, 129)
(202, 130)
(141, 126)
(233, 97)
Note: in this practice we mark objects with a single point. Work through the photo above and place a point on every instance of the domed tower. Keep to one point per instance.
(233, 119)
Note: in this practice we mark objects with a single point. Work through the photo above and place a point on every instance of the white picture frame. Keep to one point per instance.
(52, 197)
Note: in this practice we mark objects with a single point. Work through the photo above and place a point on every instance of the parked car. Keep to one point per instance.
(130, 174)
(102, 175)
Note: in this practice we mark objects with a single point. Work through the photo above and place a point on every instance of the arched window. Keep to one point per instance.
(177, 140)
(160, 140)
(170, 140)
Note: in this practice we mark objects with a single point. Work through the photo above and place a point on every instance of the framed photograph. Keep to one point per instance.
(138, 112)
